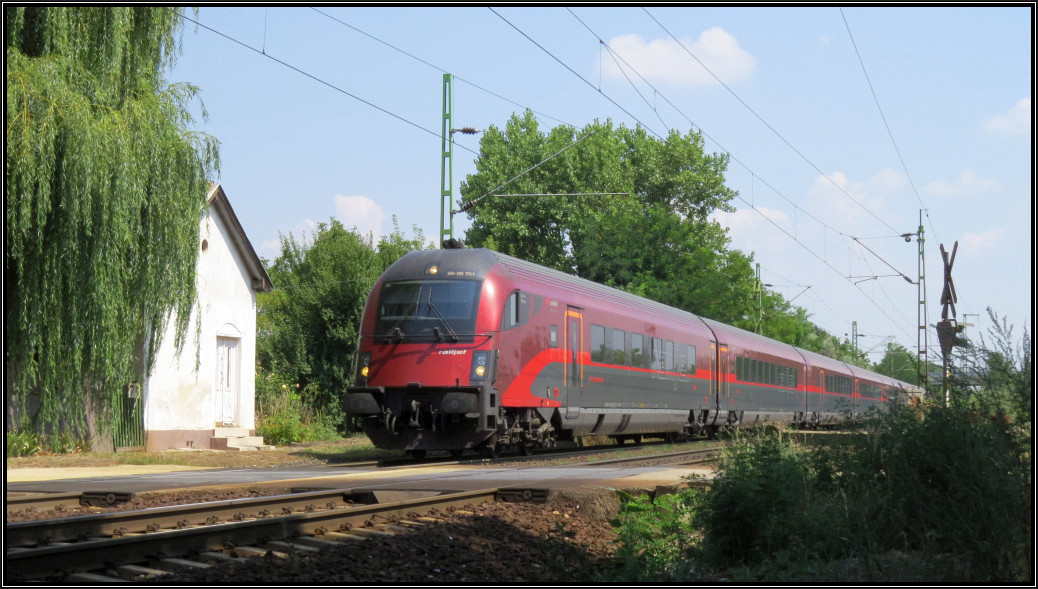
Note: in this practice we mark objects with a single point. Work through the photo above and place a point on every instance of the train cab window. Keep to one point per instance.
(553, 336)
(690, 360)
(638, 356)
(434, 309)
(619, 350)
(598, 344)
(516, 311)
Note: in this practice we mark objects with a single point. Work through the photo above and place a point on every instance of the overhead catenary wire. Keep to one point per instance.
(438, 68)
(571, 70)
(768, 125)
(751, 205)
(394, 115)
(886, 125)
(313, 77)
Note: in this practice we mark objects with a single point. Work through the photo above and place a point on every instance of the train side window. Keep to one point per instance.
(657, 353)
(553, 336)
(619, 350)
(679, 358)
(668, 356)
(516, 311)
(691, 360)
(598, 344)
(638, 356)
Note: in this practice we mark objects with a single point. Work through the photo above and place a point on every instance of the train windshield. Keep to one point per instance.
(428, 310)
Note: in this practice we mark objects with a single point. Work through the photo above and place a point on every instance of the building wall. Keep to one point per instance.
(182, 404)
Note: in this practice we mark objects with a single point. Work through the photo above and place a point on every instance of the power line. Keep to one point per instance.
(563, 64)
(314, 78)
(768, 125)
(437, 68)
(751, 205)
(885, 124)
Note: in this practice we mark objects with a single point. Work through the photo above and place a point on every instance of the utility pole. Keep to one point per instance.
(760, 307)
(923, 335)
(447, 162)
(447, 132)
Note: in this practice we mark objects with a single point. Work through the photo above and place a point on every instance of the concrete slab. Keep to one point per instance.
(24, 475)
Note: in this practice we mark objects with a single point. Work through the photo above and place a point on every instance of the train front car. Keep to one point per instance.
(426, 360)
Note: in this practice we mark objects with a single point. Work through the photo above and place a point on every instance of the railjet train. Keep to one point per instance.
(473, 349)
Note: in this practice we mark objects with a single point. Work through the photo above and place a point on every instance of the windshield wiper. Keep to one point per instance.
(436, 331)
(395, 333)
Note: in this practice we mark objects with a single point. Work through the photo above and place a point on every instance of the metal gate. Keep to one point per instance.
(129, 424)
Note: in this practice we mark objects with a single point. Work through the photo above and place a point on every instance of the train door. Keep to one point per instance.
(724, 399)
(573, 369)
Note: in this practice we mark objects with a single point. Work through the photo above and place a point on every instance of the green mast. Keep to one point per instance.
(447, 162)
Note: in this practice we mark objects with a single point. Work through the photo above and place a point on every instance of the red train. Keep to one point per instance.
(472, 349)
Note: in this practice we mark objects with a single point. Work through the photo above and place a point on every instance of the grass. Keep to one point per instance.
(345, 450)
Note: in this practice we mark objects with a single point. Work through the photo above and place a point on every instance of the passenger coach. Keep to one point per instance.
(472, 349)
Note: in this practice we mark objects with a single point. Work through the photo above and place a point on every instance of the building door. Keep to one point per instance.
(228, 380)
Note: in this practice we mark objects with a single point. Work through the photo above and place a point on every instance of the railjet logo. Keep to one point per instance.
(453, 352)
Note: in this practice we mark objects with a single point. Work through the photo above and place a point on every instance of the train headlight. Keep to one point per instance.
(363, 367)
(433, 269)
(479, 365)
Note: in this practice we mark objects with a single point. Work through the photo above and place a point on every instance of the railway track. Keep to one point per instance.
(151, 543)
(154, 542)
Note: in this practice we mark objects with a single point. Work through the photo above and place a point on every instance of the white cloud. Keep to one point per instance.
(302, 232)
(832, 193)
(360, 212)
(967, 184)
(1017, 121)
(665, 60)
(976, 242)
(887, 180)
(748, 219)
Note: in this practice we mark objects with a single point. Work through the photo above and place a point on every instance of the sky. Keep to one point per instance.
(846, 129)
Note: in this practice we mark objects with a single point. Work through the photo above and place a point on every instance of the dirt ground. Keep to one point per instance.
(569, 538)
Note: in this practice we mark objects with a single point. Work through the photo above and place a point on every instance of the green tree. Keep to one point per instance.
(654, 236)
(104, 188)
(309, 327)
(996, 374)
(898, 362)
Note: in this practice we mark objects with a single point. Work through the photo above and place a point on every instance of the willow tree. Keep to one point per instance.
(104, 186)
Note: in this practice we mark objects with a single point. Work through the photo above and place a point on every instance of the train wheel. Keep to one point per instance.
(417, 454)
(527, 449)
(491, 451)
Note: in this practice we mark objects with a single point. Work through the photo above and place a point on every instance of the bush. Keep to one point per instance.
(23, 444)
(948, 488)
(281, 416)
(655, 536)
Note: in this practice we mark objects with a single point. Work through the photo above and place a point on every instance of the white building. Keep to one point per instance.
(208, 400)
